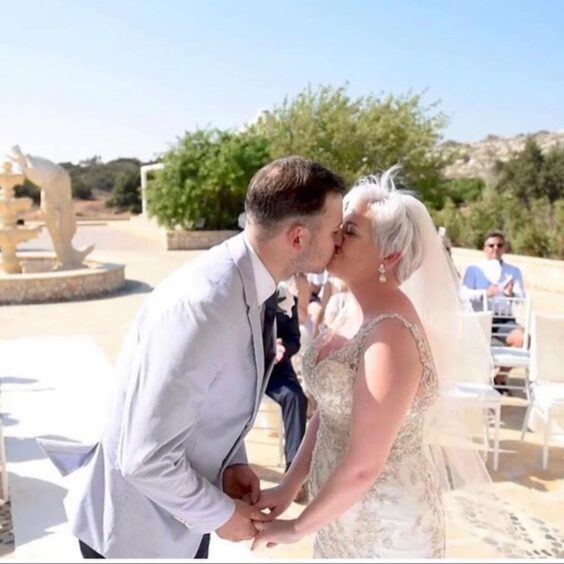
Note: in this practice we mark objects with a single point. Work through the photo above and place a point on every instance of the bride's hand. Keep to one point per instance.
(276, 499)
(275, 532)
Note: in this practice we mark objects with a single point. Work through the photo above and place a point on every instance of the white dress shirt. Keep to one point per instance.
(264, 283)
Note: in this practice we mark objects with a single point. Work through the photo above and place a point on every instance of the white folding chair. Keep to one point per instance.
(477, 389)
(546, 375)
(509, 314)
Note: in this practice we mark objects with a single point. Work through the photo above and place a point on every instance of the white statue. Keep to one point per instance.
(56, 205)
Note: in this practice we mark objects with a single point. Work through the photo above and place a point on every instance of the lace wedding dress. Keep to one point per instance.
(401, 515)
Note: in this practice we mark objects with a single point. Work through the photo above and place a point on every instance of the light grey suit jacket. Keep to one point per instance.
(191, 377)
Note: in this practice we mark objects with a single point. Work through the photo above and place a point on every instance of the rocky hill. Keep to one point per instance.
(481, 159)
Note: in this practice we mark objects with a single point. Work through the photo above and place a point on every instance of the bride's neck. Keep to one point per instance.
(367, 299)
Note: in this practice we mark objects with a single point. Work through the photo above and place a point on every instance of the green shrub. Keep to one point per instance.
(534, 230)
(359, 136)
(464, 190)
(126, 195)
(205, 179)
(531, 175)
(28, 190)
(80, 189)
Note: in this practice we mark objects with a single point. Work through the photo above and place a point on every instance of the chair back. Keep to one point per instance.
(547, 348)
(510, 313)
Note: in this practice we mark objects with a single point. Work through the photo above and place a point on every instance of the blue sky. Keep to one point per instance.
(126, 78)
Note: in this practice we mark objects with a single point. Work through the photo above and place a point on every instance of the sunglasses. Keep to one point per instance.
(496, 245)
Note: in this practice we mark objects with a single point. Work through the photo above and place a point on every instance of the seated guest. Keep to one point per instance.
(498, 280)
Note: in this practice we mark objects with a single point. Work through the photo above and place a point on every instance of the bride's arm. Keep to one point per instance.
(299, 469)
(385, 386)
(279, 498)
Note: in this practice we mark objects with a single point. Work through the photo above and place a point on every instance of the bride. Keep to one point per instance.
(375, 481)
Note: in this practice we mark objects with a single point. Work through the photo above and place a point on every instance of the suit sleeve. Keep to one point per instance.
(172, 372)
(240, 456)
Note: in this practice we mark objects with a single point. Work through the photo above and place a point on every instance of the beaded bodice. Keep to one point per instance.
(401, 514)
(331, 382)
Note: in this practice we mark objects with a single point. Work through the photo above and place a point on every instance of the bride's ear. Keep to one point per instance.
(391, 260)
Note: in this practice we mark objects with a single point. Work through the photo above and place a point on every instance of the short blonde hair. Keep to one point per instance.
(393, 226)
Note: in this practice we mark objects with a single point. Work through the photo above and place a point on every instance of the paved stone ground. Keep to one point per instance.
(6, 534)
(532, 498)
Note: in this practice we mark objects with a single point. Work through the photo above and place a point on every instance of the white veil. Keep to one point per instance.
(454, 429)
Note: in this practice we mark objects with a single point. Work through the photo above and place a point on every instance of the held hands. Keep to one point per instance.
(276, 500)
(249, 521)
(276, 532)
(241, 482)
(243, 524)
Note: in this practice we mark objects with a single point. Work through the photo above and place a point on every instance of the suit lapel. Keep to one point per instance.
(239, 253)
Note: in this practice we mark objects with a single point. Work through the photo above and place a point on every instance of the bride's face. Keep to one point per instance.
(357, 257)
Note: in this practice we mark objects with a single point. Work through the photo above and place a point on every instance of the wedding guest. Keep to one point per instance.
(498, 280)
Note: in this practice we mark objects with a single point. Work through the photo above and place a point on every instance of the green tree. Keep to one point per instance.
(533, 234)
(204, 182)
(91, 176)
(28, 190)
(558, 227)
(80, 189)
(521, 176)
(552, 175)
(126, 195)
(464, 190)
(356, 137)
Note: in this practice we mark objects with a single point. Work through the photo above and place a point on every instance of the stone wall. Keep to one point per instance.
(177, 240)
(67, 285)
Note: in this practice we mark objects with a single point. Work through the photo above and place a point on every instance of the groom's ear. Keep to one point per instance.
(297, 235)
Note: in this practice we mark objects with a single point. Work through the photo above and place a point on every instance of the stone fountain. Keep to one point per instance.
(11, 234)
(44, 277)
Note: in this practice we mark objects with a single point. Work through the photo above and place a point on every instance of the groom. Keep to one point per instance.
(171, 466)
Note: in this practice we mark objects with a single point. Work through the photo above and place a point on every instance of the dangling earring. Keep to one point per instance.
(382, 271)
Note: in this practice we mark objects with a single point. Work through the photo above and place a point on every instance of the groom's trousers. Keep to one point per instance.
(203, 549)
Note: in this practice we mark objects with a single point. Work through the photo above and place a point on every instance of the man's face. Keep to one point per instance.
(326, 236)
(494, 247)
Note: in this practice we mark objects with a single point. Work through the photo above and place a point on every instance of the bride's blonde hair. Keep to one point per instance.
(393, 226)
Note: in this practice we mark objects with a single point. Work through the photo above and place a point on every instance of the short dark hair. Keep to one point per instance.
(495, 233)
(288, 187)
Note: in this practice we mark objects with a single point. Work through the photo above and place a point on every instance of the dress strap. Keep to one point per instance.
(424, 352)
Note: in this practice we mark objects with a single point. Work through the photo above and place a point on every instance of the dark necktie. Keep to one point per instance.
(268, 334)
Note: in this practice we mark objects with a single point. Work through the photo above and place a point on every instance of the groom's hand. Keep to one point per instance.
(241, 482)
(241, 524)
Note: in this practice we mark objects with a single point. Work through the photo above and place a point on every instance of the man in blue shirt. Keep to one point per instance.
(498, 280)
